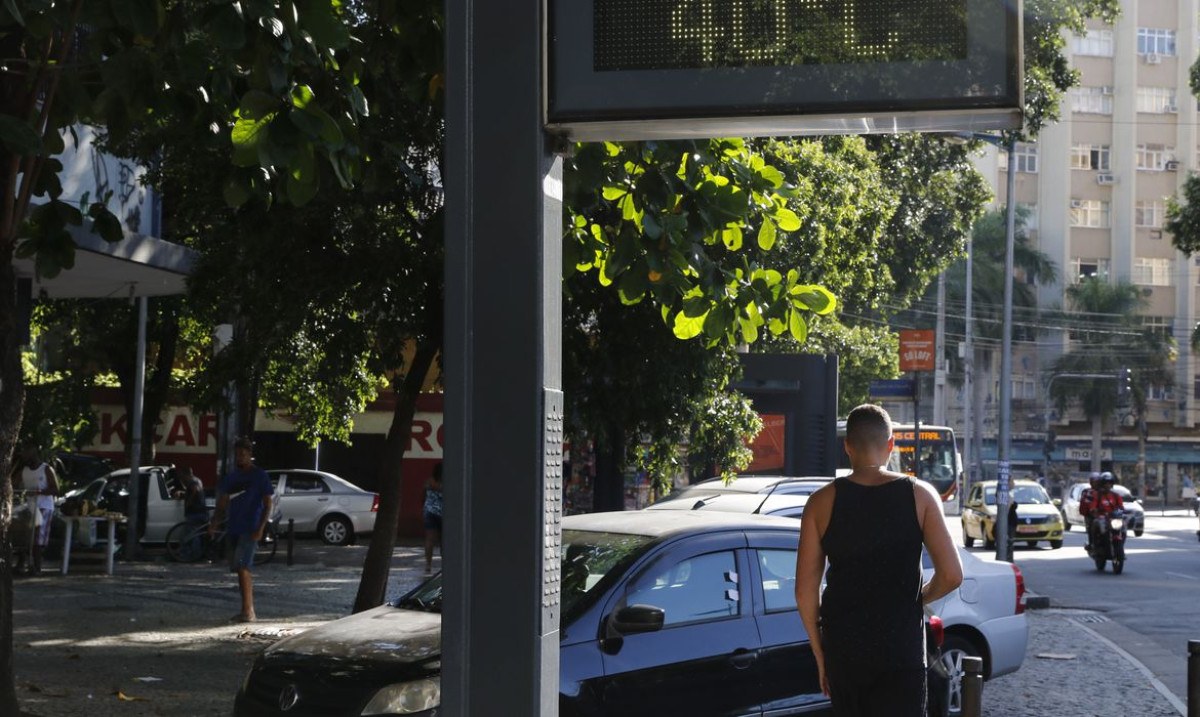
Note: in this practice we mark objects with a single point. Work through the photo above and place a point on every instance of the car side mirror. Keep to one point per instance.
(1057, 502)
(634, 619)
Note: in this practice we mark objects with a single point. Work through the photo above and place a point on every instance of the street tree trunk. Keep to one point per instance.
(372, 588)
(12, 400)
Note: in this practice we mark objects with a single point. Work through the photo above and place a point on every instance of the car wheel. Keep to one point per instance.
(954, 649)
(1055, 544)
(335, 530)
(1066, 524)
(968, 541)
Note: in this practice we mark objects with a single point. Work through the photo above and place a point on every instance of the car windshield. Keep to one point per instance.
(591, 561)
(1023, 494)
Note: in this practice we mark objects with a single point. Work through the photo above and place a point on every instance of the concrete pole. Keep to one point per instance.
(969, 455)
(939, 366)
(1004, 466)
(135, 433)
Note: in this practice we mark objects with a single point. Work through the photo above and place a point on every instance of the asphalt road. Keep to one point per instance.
(1151, 608)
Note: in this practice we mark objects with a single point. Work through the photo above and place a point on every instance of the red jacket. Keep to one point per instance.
(1097, 502)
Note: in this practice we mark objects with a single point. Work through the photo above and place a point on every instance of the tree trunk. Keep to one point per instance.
(12, 399)
(372, 588)
(1097, 423)
(608, 491)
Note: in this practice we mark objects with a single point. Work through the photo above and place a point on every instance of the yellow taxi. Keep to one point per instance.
(1037, 518)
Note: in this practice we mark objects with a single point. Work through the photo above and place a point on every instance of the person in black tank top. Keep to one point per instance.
(867, 628)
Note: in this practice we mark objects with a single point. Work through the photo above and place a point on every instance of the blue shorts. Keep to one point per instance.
(433, 521)
(240, 549)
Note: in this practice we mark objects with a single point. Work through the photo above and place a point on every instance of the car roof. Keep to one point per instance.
(1020, 481)
(745, 503)
(745, 484)
(339, 481)
(669, 523)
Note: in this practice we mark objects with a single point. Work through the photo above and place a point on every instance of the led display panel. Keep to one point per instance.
(641, 69)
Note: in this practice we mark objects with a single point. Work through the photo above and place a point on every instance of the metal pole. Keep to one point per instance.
(972, 687)
(917, 424)
(135, 432)
(968, 382)
(1004, 466)
(1193, 677)
(939, 364)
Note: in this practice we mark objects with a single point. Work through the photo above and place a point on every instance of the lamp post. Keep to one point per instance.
(1004, 438)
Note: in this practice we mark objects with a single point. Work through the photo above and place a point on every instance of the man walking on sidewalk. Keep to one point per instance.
(244, 499)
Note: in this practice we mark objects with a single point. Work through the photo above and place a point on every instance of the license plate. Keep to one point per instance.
(1028, 529)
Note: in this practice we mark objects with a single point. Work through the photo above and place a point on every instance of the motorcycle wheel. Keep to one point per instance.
(1100, 563)
(1118, 566)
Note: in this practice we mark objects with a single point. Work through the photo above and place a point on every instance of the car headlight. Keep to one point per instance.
(406, 697)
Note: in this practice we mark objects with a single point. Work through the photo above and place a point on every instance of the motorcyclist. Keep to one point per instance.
(1085, 507)
(1102, 501)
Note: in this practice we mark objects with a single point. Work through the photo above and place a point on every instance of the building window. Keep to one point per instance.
(1155, 41)
(1151, 272)
(1161, 326)
(1091, 100)
(1156, 100)
(1082, 268)
(1149, 214)
(1090, 156)
(1097, 43)
(1089, 213)
(1154, 157)
(1026, 156)
(1160, 393)
(1024, 389)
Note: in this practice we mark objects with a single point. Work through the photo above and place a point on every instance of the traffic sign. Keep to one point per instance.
(898, 389)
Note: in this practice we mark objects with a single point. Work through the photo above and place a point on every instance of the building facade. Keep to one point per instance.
(1096, 186)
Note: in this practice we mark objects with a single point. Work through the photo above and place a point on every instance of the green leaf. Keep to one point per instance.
(632, 286)
(246, 136)
(613, 193)
(797, 326)
(257, 104)
(688, 327)
(302, 95)
(772, 175)
(328, 130)
(766, 234)
(324, 23)
(787, 219)
(105, 223)
(612, 149)
(227, 28)
(817, 299)
(235, 192)
(19, 137)
(731, 236)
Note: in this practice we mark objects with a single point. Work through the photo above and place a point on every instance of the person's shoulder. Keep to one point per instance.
(822, 498)
(925, 493)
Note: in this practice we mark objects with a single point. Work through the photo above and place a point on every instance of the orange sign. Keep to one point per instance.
(917, 349)
(768, 445)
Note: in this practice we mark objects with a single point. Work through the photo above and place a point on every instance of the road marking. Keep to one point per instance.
(1181, 575)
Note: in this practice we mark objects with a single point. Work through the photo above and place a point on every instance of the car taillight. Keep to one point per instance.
(938, 629)
(1020, 588)
(375, 504)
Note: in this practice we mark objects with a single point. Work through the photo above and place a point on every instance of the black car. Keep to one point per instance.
(664, 613)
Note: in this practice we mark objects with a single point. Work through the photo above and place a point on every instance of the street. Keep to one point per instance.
(1149, 611)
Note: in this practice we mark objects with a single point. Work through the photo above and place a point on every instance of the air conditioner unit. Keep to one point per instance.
(1077, 203)
(1105, 178)
(1156, 233)
(1153, 58)
(1171, 165)
(1171, 108)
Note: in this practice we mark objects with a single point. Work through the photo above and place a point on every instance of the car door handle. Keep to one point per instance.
(322, 500)
(743, 658)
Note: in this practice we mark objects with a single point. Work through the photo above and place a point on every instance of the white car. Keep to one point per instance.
(775, 485)
(1071, 515)
(322, 503)
(783, 505)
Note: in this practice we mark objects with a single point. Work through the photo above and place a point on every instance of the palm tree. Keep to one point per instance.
(1107, 334)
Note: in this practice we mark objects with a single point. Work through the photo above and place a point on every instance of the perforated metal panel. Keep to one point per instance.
(552, 450)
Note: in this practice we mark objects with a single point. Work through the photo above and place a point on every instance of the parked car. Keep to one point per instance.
(784, 505)
(655, 607)
(335, 509)
(75, 470)
(1136, 512)
(776, 485)
(1037, 517)
(984, 617)
(159, 511)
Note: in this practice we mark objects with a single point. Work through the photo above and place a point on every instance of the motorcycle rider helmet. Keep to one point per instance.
(1094, 479)
(1106, 479)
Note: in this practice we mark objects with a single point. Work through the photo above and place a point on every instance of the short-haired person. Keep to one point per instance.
(38, 480)
(867, 627)
(244, 498)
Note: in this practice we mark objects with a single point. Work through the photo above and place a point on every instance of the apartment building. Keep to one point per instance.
(1096, 185)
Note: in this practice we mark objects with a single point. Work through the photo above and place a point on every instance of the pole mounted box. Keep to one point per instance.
(658, 69)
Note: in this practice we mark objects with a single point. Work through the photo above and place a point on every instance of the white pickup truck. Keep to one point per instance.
(111, 493)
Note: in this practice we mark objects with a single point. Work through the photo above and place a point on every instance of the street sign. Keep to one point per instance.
(654, 69)
(917, 350)
(899, 389)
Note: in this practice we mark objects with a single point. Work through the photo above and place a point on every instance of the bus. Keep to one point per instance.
(941, 463)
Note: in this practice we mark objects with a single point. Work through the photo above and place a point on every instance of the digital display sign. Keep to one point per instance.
(642, 69)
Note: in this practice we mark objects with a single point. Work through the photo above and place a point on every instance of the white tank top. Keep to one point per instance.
(36, 479)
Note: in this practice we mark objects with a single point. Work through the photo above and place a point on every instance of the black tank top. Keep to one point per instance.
(871, 614)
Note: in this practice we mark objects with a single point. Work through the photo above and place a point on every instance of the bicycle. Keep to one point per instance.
(188, 542)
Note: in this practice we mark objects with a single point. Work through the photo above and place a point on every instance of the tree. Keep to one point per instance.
(260, 75)
(1107, 335)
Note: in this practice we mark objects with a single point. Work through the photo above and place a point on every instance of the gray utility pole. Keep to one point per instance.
(132, 528)
(1004, 439)
(939, 360)
(969, 454)
(503, 361)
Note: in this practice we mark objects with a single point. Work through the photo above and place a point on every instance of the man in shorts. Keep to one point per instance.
(244, 500)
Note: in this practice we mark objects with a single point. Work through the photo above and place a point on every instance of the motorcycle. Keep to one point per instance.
(1108, 541)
